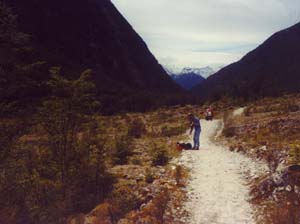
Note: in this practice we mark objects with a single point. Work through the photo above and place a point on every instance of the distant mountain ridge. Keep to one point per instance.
(190, 77)
(204, 72)
(188, 80)
(271, 69)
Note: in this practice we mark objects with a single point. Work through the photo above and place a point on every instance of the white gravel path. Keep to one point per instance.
(218, 191)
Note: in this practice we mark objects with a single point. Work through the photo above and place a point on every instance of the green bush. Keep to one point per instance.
(229, 132)
(136, 161)
(62, 171)
(149, 177)
(124, 200)
(294, 153)
(123, 150)
(160, 156)
(137, 128)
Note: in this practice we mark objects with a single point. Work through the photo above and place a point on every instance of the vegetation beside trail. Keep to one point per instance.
(268, 130)
(60, 156)
(64, 159)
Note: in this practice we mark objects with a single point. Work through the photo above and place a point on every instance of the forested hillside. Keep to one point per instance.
(80, 35)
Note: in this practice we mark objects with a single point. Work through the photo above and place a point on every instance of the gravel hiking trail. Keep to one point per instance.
(218, 190)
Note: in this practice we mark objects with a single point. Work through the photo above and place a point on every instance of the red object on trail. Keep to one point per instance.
(179, 147)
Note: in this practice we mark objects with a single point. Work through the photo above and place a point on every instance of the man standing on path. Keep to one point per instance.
(195, 125)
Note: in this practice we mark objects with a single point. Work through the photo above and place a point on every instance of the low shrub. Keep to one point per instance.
(273, 159)
(160, 156)
(155, 211)
(172, 131)
(294, 153)
(123, 200)
(136, 161)
(137, 128)
(149, 177)
(179, 175)
(162, 116)
(229, 132)
(293, 108)
(161, 203)
(247, 112)
(123, 150)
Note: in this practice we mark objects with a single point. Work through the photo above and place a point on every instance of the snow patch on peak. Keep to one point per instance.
(204, 71)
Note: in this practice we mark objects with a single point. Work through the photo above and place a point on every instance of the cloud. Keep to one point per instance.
(203, 32)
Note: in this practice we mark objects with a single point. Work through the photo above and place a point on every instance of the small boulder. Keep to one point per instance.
(100, 215)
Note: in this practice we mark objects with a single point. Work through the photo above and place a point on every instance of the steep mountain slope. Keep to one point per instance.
(269, 70)
(91, 34)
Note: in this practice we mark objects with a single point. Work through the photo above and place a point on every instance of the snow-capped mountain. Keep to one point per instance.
(190, 77)
(204, 72)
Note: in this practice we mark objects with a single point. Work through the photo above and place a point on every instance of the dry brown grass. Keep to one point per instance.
(163, 129)
(269, 129)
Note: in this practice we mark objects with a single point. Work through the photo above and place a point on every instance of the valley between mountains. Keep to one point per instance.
(90, 123)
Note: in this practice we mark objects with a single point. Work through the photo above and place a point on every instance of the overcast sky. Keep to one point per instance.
(197, 33)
